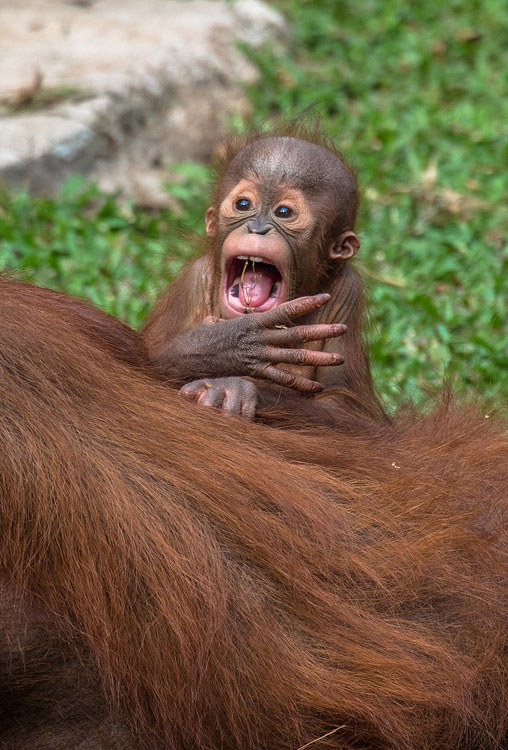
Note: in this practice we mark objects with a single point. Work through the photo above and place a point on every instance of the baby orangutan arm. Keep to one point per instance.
(243, 397)
(252, 345)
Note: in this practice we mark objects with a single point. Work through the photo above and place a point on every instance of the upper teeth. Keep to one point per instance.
(254, 258)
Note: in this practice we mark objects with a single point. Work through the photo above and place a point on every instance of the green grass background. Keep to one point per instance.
(416, 95)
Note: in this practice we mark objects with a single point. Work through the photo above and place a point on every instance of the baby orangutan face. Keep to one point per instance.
(256, 257)
(270, 226)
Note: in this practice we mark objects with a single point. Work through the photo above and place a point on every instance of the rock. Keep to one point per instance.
(116, 89)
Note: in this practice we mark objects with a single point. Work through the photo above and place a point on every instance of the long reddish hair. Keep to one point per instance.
(243, 587)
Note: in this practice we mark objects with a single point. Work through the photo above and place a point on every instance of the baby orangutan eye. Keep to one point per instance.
(283, 212)
(243, 204)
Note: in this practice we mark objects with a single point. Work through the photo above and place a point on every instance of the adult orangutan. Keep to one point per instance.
(171, 578)
(281, 227)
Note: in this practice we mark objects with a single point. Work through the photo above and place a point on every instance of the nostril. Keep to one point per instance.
(256, 227)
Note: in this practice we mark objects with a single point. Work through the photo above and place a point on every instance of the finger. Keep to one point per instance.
(288, 379)
(193, 390)
(212, 397)
(232, 404)
(288, 311)
(304, 334)
(300, 357)
(249, 405)
(210, 320)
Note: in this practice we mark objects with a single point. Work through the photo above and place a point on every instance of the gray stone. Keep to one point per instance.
(116, 89)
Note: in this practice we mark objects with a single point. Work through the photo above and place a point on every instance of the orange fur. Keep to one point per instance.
(246, 588)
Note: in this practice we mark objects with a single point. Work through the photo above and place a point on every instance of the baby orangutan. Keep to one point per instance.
(280, 232)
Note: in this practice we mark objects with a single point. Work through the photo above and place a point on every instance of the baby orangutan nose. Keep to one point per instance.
(258, 226)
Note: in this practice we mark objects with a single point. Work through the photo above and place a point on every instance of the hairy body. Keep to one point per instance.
(51, 692)
(281, 227)
(242, 587)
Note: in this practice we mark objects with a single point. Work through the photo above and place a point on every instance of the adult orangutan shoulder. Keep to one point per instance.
(223, 584)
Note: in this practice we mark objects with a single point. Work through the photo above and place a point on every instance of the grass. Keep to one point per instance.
(416, 95)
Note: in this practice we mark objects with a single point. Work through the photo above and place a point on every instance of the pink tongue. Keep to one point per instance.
(256, 286)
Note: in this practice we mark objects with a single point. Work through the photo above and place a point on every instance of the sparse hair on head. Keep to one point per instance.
(340, 183)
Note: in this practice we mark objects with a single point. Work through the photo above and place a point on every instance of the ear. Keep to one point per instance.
(344, 247)
(211, 221)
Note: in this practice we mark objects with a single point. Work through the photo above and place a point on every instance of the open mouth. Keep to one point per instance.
(252, 284)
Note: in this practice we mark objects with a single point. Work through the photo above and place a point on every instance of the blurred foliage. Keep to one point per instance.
(96, 246)
(416, 95)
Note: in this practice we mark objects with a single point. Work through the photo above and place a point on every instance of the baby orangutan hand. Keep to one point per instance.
(253, 345)
(235, 396)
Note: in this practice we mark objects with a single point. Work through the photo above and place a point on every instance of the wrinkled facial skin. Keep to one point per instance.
(283, 208)
(264, 230)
